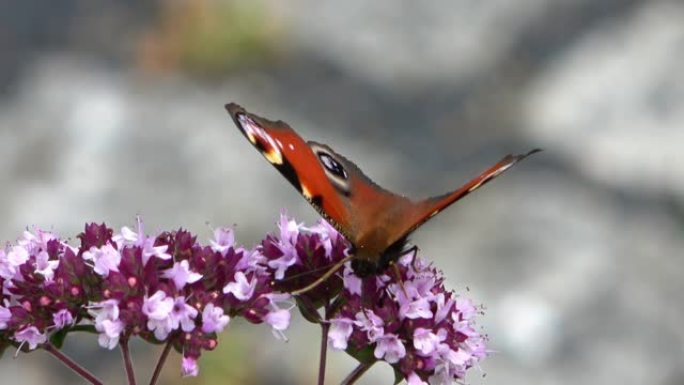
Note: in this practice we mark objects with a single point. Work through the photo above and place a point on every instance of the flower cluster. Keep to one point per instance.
(167, 288)
(404, 317)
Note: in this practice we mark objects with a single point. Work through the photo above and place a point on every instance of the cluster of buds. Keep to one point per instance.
(166, 288)
(405, 317)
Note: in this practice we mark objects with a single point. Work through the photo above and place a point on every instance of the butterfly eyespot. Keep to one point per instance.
(331, 165)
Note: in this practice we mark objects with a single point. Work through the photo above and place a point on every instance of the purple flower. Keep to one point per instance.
(62, 319)
(158, 310)
(105, 258)
(189, 367)
(371, 324)
(45, 266)
(181, 275)
(5, 316)
(213, 319)
(426, 342)
(11, 260)
(242, 289)
(183, 315)
(351, 281)
(340, 331)
(30, 335)
(389, 348)
(110, 331)
(224, 239)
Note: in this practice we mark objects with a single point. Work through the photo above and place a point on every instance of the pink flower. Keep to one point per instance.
(5, 316)
(10, 261)
(224, 239)
(425, 341)
(242, 289)
(213, 319)
(189, 367)
(279, 321)
(371, 324)
(62, 319)
(110, 331)
(351, 281)
(181, 274)
(389, 348)
(183, 315)
(45, 266)
(340, 331)
(30, 335)
(106, 259)
(158, 310)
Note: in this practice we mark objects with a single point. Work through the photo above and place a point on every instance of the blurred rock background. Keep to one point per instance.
(112, 109)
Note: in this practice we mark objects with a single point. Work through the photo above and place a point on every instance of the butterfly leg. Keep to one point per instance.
(397, 272)
(411, 250)
(324, 277)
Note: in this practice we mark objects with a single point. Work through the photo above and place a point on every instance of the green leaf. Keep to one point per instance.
(308, 309)
(398, 375)
(57, 338)
(364, 356)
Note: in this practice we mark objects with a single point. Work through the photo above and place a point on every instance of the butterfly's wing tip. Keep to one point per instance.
(233, 108)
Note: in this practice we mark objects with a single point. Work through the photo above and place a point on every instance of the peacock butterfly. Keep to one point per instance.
(375, 221)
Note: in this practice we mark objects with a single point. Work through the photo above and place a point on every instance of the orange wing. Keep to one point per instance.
(428, 208)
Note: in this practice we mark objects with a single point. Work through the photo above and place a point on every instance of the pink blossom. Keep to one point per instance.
(5, 316)
(241, 288)
(389, 348)
(62, 319)
(181, 274)
(183, 315)
(158, 310)
(425, 341)
(106, 259)
(340, 331)
(371, 324)
(224, 239)
(279, 321)
(189, 367)
(351, 281)
(110, 331)
(30, 335)
(213, 319)
(45, 266)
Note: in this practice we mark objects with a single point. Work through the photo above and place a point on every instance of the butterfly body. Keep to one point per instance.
(375, 221)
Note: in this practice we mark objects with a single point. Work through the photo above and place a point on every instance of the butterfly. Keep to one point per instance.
(376, 222)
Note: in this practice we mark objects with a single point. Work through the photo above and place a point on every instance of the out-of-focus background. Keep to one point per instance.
(112, 109)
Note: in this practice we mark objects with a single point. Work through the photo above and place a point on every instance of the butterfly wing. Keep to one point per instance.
(361, 210)
(422, 211)
(295, 160)
(373, 219)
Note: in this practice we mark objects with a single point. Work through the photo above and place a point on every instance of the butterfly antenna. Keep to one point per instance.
(323, 277)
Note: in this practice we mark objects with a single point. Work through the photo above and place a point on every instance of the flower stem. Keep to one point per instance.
(128, 364)
(160, 363)
(71, 364)
(356, 373)
(325, 327)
